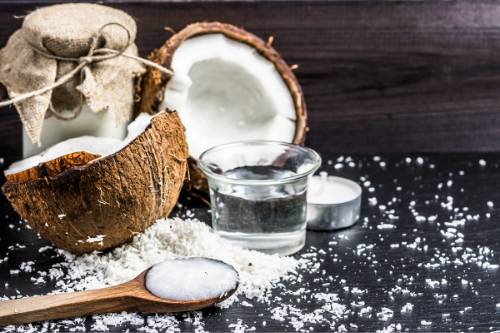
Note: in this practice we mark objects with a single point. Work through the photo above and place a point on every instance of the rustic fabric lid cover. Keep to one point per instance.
(67, 31)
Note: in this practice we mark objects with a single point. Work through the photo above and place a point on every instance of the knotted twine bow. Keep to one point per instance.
(92, 56)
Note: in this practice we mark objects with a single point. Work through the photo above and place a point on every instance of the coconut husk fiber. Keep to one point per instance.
(67, 31)
(71, 202)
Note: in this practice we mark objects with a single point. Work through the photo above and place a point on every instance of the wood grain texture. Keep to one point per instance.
(26, 310)
(129, 296)
(377, 76)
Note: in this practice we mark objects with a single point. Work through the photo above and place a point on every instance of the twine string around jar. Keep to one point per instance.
(94, 55)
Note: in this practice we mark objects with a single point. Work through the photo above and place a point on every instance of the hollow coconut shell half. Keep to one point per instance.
(83, 202)
(216, 67)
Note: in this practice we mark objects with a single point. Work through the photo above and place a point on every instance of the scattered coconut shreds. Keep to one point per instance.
(302, 294)
(95, 239)
(172, 238)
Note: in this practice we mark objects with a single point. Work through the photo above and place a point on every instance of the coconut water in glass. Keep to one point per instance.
(258, 193)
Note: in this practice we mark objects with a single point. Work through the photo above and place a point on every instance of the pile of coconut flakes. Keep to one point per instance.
(173, 238)
(170, 239)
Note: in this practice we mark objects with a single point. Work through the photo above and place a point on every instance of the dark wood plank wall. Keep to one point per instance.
(378, 76)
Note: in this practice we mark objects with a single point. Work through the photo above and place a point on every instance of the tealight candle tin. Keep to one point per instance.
(332, 202)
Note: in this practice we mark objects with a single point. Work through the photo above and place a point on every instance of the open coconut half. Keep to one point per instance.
(228, 86)
(91, 193)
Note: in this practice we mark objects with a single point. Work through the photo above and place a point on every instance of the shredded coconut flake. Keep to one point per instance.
(174, 238)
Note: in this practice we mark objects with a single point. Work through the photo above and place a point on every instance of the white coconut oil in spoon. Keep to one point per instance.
(191, 279)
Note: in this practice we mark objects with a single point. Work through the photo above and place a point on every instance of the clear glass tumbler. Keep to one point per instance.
(258, 193)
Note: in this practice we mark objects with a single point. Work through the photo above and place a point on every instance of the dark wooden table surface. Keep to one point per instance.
(384, 267)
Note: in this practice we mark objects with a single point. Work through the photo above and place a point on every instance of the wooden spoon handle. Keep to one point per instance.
(27, 310)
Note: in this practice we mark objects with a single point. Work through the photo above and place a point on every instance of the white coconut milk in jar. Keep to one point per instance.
(258, 193)
(52, 73)
(87, 123)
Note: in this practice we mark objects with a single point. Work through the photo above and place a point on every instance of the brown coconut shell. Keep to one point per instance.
(119, 195)
(150, 90)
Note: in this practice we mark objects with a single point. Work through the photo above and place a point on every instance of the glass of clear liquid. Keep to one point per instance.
(258, 193)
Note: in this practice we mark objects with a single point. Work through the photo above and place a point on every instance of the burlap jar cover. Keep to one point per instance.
(56, 40)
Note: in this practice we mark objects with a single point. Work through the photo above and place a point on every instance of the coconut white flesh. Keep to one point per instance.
(90, 144)
(225, 91)
(190, 279)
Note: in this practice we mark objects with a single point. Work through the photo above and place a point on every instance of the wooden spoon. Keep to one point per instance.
(129, 296)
